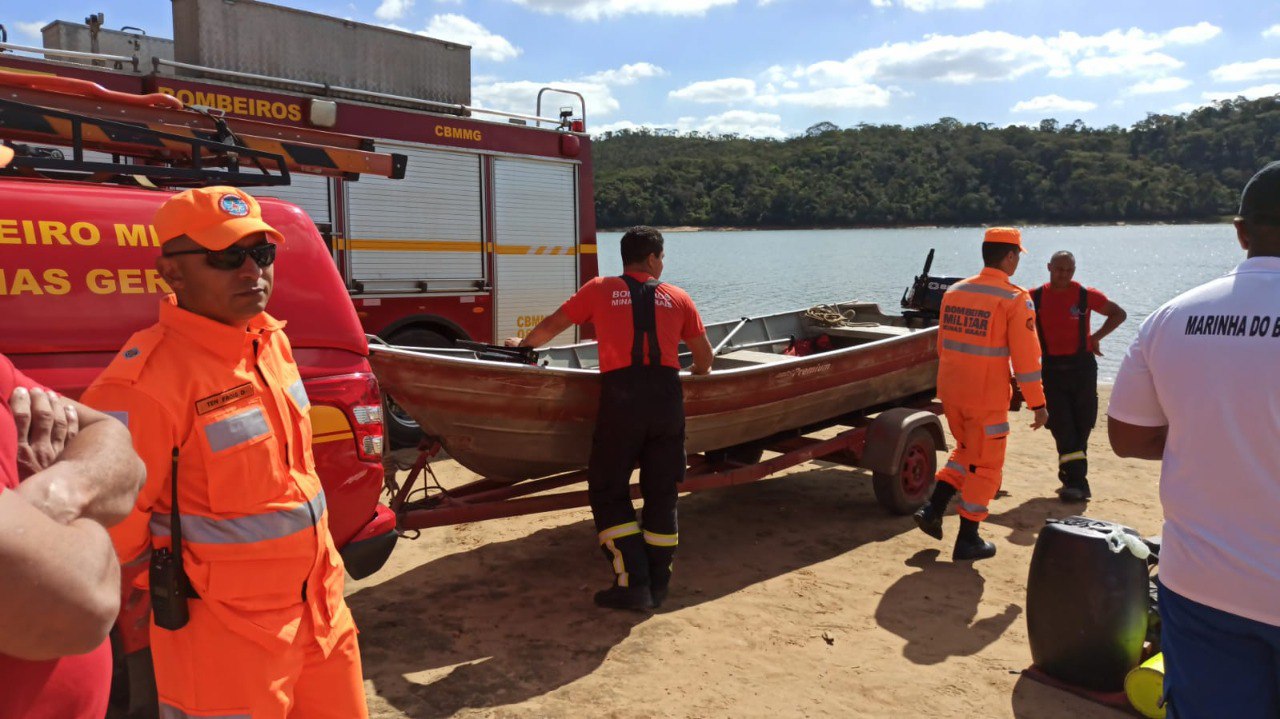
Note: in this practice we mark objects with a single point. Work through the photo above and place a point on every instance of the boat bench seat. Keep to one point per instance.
(873, 332)
(747, 358)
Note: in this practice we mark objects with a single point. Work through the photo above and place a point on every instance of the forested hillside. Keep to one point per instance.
(1167, 167)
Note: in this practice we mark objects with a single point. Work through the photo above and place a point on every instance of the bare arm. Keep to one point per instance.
(700, 346)
(61, 583)
(547, 329)
(97, 475)
(1116, 316)
(1132, 440)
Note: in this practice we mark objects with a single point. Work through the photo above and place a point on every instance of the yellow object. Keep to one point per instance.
(1144, 686)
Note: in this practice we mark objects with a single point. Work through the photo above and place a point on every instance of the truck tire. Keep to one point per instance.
(402, 431)
(906, 490)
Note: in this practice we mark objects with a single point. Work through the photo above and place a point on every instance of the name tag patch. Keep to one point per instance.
(208, 404)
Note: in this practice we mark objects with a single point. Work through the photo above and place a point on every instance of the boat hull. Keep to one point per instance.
(513, 422)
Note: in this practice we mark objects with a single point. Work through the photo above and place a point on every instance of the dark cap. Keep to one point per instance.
(1260, 201)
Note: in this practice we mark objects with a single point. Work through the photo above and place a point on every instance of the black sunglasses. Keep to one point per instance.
(233, 257)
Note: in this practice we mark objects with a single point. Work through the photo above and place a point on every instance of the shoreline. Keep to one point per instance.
(1225, 219)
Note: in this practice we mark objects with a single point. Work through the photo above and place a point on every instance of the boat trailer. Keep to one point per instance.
(898, 445)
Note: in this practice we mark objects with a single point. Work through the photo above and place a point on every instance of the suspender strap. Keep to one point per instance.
(643, 321)
(1036, 295)
(1083, 347)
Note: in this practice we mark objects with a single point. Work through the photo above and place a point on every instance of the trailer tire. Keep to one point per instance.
(402, 431)
(906, 490)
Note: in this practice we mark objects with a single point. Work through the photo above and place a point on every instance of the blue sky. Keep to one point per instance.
(771, 68)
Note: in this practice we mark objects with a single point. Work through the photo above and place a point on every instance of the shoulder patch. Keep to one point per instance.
(1031, 305)
(132, 358)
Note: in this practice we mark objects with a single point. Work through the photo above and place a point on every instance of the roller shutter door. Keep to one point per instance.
(421, 232)
(309, 192)
(536, 242)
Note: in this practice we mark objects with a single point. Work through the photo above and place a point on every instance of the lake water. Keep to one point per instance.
(735, 273)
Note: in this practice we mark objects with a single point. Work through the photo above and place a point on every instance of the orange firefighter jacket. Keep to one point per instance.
(986, 322)
(255, 534)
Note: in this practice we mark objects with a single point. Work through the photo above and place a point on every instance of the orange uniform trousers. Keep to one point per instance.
(206, 671)
(976, 466)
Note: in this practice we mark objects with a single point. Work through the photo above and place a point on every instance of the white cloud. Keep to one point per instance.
(627, 74)
(1264, 69)
(597, 9)
(1249, 93)
(1163, 84)
(736, 122)
(1152, 63)
(1272, 32)
(930, 5)
(729, 89)
(521, 95)
(460, 29)
(1196, 34)
(1185, 107)
(616, 127)
(31, 31)
(832, 98)
(990, 56)
(1053, 103)
(393, 9)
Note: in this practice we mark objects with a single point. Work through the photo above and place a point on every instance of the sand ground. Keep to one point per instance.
(796, 596)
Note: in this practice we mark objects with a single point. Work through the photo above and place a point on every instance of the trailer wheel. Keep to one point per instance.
(403, 430)
(905, 491)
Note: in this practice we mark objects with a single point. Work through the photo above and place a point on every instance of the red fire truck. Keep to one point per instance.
(491, 228)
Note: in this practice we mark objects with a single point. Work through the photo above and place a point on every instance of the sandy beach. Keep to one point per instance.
(796, 596)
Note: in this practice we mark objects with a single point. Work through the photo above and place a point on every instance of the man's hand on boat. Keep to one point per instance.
(1041, 418)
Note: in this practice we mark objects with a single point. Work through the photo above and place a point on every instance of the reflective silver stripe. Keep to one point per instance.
(993, 429)
(956, 466)
(661, 540)
(236, 429)
(169, 711)
(121, 417)
(243, 530)
(977, 289)
(1071, 457)
(299, 394)
(966, 348)
(1028, 377)
(975, 508)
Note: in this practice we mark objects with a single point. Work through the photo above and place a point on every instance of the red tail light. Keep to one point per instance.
(357, 398)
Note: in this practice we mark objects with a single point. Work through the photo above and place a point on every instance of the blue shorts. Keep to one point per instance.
(1217, 664)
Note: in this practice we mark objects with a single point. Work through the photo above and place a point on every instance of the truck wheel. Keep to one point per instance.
(402, 430)
(905, 491)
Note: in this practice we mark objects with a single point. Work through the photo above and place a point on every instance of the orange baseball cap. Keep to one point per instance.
(1004, 235)
(6, 154)
(215, 217)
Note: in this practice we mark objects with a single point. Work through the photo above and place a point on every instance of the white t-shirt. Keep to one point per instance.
(1207, 364)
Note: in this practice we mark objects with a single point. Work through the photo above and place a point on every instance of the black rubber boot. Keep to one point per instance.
(630, 562)
(929, 517)
(969, 546)
(660, 565)
(636, 599)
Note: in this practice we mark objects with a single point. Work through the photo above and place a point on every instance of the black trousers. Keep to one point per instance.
(1071, 394)
(640, 420)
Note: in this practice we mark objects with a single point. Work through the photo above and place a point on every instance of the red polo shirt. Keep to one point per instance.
(74, 687)
(1059, 315)
(606, 301)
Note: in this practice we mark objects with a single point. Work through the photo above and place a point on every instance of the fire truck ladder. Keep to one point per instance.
(171, 144)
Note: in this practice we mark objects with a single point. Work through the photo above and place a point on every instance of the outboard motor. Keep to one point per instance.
(924, 298)
(1088, 601)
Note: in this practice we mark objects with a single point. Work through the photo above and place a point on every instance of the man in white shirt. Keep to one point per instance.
(1200, 390)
